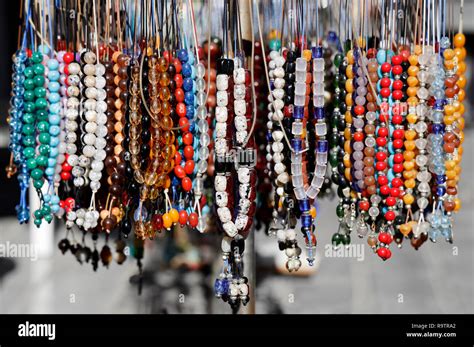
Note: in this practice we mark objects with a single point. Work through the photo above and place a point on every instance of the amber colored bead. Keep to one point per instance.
(347, 160)
(449, 64)
(448, 120)
(118, 150)
(349, 86)
(347, 133)
(461, 95)
(405, 228)
(166, 110)
(409, 165)
(412, 81)
(348, 117)
(449, 109)
(408, 199)
(411, 91)
(459, 40)
(461, 68)
(410, 134)
(450, 174)
(164, 79)
(413, 70)
(410, 183)
(347, 147)
(348, 99)
(409, 174)
(448, 54)
(350, 57)
(411, 118)
(413, 59)
(410, 145)
(412, 101)
(457, 204)
(408, 155)
(461, 83)
(347, 174)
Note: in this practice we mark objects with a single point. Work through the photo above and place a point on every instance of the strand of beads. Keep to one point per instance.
(450, 141)
(167, 137)
(141, 166)
(409, 164)
(381, 156)
(117, 177)
(54, 119)
(97, 147)
(61, 160)
(63, 168)
(358, 96)
(222, 183)
(135, 120)
(201, 128)
(298, 158)
(274, 135)
(279, 226)
(38, 165)
(320, 127)
(18, 117)
(458, 125)
(247, 178)
(188, 214)
(346, 209)
(245, 148)
(395, 160)
(337, 151)
(357, 156)
(417, 69)
(89, 116)
(370, 189)
(185, 168)
(436, 77)
(73, 92)
(109, 214)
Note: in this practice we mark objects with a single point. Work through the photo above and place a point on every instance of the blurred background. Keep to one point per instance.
(179, 269)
